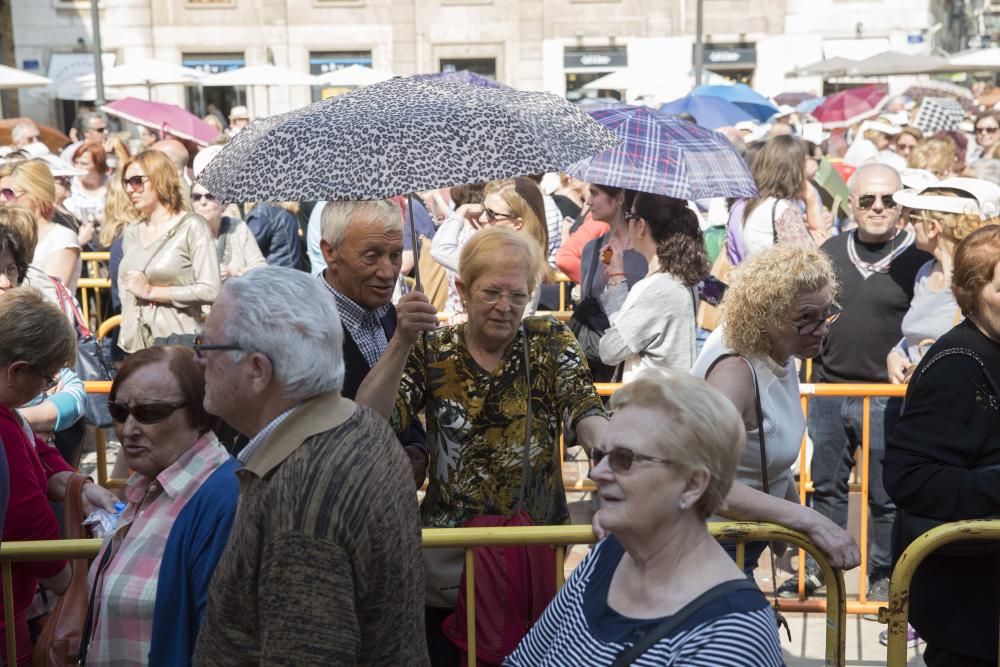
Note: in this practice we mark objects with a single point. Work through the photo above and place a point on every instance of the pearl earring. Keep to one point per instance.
(682, 505)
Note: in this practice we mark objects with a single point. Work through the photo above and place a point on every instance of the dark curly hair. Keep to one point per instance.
(11, 242)
(680, 245)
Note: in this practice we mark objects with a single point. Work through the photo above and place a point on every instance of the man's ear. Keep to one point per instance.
(261, 371)
(329, 252)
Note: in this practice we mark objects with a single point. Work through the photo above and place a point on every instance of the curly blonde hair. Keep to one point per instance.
(955, 226)
(763, 290)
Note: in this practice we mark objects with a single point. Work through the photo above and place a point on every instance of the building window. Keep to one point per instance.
(330, 61)
(584, 64)
(483, 66)
(211, 99)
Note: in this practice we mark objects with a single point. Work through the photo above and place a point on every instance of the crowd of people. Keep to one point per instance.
(277, 356)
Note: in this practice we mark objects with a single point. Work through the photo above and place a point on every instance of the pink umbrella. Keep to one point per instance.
(850, 106)
(164, 118)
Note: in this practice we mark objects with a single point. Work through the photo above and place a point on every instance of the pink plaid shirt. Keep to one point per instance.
(123, 611)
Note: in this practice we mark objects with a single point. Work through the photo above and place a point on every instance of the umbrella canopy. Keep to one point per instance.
(849, 106)
(974, 60)
(708, 111)
(742, 96)
(11, 77)
(403, 135)
(464, 76)
(589, 104)
(618, 80)
(809, 106)
(889, 63)
(794, 99)
(146, 73)
(260, 75)
(829, 67)
(352, 76)
(934, 88)
(163, 118)
(51, 137)
(666, 156)
(938, 113)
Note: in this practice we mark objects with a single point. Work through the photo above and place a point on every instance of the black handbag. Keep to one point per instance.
(92, 359)
(910, 526)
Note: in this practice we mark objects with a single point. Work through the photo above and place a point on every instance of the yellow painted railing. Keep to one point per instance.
(470, 538)
(897, 614)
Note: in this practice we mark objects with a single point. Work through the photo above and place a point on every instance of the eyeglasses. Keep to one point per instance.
(631, 215)
(867, 201)
(492, 216)
(620, 459)
(515, 299)
(13, 274)
(200, 347)
(207, 196)
(50, 380)
(810, 326)
(145, 413)
(135, 183)
(10, 194)
(987, 130)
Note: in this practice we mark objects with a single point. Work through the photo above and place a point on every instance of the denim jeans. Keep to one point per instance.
(835, 428)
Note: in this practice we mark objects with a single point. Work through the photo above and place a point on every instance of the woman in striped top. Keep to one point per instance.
(665, 465)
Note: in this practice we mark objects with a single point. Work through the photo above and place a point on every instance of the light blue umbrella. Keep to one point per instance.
(742, 96)
(807, 106)
(708, 111)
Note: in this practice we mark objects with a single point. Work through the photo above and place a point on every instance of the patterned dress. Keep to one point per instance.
(476, 421)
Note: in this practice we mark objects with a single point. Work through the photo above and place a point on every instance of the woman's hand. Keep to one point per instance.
(86, 233)
(595, 522)
(839, 546)
(897, 365)
(471, 214)
(136, 283)
(93, 497)
(616, 260)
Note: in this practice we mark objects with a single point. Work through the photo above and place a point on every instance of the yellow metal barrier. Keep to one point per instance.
(898, 613)
(468, 539)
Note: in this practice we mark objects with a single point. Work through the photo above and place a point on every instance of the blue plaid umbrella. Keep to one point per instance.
(708, 111)
(742, 96)
(663, 155)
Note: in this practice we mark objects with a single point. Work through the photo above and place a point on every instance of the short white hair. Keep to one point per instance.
(21, 131)
(338, 216)
(291, 318)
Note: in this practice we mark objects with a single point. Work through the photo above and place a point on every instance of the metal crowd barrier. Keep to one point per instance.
(468, 539)
(897, 614)
(93, 283)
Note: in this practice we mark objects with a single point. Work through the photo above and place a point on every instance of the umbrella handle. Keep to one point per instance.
(414, 245)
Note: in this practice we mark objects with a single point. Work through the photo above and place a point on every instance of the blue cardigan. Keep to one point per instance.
(196, 542)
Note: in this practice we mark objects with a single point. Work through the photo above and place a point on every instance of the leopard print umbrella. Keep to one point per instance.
(400, 136)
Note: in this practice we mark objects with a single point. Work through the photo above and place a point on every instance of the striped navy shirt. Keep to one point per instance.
(579, 628)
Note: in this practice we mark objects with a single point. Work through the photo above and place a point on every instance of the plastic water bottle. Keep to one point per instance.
(101, 522)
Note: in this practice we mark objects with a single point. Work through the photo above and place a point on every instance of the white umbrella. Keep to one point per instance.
(352, 76)
(973, 60)
(260, 75)
(890, 63)
(11, 77)
(619, 80)
(146, 73)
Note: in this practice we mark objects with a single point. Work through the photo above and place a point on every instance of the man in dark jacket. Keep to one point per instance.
(362, 244)
(276, 231)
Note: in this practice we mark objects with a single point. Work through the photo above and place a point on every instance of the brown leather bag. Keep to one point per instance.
(60, 639)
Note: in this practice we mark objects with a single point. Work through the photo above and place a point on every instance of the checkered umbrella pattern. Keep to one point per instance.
(666, 156)
(401, 136)
(939, 113)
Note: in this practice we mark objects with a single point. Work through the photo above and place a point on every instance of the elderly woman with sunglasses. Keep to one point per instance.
(235, 245)
(488, 387)
(36, 341)
(778, 308)
(150, 579)
(665, 465)
(169, 269)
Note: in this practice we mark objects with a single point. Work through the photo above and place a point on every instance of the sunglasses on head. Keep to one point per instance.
(145, 413)
(9, 194)
(620, 459)
(207, 196)
(867, 201)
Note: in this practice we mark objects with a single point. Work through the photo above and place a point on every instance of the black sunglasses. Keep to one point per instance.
(135, 182)
(867, 201)
(620, 459)
(207, 196)
(491, 215)
(200, 347)
(145, 413)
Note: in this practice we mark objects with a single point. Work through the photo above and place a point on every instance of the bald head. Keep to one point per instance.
(174, 150)
(874, 210)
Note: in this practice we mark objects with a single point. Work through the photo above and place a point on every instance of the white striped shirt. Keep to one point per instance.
(716, 636)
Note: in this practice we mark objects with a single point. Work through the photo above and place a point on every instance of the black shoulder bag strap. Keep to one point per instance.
(671, 624)
(779, 618)
(774, 221)
(592, 269)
